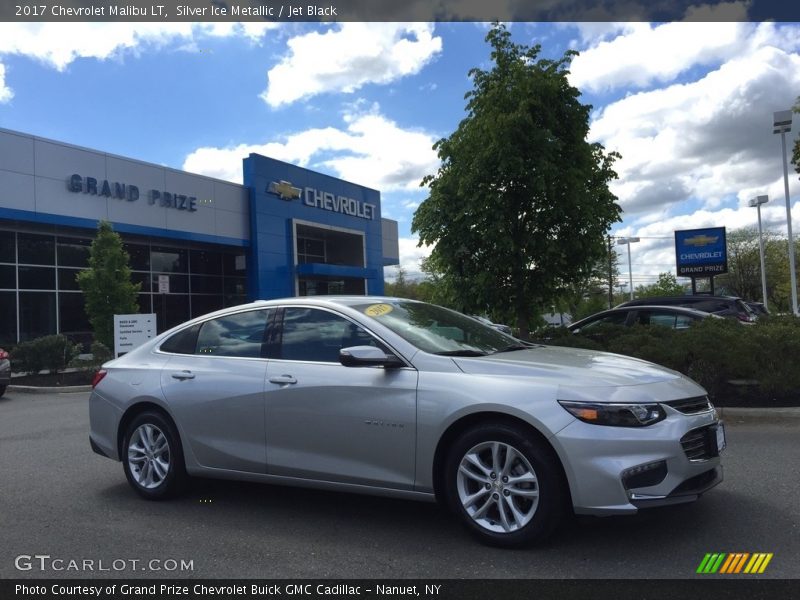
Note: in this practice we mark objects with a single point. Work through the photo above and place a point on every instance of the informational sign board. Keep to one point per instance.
(132, 330)
(163, 284)
(701, 252)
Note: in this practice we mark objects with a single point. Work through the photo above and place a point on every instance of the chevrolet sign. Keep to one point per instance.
(284, 190)
(701, 252)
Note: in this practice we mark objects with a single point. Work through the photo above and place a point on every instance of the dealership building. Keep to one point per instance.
(196, 244)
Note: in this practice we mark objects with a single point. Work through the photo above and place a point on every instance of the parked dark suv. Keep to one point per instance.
(725, 306)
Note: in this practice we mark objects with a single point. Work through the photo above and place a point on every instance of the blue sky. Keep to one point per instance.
(688, 105)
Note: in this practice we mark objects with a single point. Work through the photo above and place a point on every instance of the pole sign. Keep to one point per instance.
(132, 330)
(701, 252)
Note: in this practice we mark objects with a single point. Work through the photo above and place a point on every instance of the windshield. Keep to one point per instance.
(438, 330)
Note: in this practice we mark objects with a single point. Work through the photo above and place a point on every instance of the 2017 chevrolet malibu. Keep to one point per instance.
(406, 399)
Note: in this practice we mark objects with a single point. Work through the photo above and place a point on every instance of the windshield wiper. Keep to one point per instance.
(462, 353)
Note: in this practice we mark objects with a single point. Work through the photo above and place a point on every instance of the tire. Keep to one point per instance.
(152, 457)
(2, 390)
(504, 485)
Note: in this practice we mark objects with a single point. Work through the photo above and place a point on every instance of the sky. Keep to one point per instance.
(689, 107)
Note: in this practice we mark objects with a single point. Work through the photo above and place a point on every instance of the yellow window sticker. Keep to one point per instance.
(378, 310)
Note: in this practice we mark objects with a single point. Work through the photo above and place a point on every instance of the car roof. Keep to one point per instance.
(656, 300)
(617, 309)
(324, 301)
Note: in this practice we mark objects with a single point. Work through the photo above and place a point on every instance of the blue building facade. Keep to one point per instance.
(196, 244)
(311, 233)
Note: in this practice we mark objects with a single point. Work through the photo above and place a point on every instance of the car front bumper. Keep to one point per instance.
(618, 470)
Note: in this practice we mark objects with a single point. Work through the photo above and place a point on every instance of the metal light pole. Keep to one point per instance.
(627, 242)
(782, 123)
(757, 202)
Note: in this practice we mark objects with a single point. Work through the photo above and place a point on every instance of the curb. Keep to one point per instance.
(792, 412)
(66, 389)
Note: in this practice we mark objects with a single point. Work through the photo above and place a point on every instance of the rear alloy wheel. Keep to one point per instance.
(152, 457)
(504, 486)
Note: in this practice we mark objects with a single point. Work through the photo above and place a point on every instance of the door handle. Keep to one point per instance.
(283, 379)
(183, 375)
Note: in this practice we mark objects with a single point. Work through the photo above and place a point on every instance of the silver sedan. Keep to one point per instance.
(401, 398)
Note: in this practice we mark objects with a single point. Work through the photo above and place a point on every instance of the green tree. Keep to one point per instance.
(106, 284)
(743, 278)
(666, 285)
(520, 205)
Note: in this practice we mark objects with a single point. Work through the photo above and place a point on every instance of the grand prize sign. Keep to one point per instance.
(701, 252)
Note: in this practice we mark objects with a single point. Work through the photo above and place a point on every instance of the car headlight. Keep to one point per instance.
(617, 415)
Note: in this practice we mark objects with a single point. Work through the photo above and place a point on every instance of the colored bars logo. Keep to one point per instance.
(735, 562)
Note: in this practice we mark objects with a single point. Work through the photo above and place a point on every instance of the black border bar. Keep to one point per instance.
(709, 587)
(288, 11)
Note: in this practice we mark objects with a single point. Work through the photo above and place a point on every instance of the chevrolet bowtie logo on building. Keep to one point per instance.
(735, 563)
(284, 190)
(701, 240)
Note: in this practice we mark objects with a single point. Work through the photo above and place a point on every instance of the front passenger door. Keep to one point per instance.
(329, 422)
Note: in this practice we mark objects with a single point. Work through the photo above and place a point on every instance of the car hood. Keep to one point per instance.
(569, 367)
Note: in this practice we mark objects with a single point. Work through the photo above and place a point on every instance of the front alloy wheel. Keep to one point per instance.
(498, 487)
(505, 485)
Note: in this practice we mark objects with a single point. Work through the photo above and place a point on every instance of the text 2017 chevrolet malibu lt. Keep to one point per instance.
(401, 398)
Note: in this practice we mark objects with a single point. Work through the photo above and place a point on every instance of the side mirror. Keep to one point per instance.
(368, 356)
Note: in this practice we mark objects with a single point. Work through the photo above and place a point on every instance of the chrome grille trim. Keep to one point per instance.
(691, 406)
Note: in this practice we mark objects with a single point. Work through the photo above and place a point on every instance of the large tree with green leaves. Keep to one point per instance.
(744, 268)
(520, 205)
(106, 284)
(666, 285)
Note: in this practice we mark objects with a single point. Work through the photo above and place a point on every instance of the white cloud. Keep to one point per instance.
(647, 53)
(60, 44)
(709, 139)
(370, 150)
(411, 257)
(5, 93)
(348, 57)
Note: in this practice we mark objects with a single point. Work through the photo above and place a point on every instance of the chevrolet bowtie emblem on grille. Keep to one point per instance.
(701, 240)
(284, 190)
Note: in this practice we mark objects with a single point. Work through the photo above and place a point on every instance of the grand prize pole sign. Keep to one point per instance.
(701, 253)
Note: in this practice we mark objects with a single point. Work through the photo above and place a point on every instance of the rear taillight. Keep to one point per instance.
(3, 354)
(98, 377)
(745, 318)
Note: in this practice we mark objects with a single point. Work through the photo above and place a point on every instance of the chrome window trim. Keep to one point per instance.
(347, 318)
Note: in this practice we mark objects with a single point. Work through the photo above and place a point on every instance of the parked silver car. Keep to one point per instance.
(401, 398)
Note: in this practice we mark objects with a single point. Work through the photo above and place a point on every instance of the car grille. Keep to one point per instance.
(691, 406)
(700, 444)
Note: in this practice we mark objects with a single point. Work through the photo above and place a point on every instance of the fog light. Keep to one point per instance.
(644, 475)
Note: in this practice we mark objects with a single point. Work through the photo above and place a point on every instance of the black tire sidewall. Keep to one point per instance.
(175, 480)
(551, 495)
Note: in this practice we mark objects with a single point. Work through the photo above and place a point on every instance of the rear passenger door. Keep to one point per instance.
(214, 385)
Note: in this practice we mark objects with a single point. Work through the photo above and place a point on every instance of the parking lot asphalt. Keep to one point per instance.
(57, 498)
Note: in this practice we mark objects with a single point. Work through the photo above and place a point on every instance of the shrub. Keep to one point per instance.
(100, 355)
(52, 352)
(713, 352)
